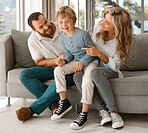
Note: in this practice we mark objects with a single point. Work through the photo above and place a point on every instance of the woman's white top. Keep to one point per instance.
(109, 49)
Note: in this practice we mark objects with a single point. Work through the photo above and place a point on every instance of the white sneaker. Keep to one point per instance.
(117, 121)
(105, 117)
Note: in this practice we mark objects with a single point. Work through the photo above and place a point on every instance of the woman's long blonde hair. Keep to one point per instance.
(123, 31)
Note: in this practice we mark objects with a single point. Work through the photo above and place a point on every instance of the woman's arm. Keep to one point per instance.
(93, 51)
(112, 62)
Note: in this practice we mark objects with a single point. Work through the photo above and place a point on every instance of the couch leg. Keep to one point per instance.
(8, 102)
(77, 108)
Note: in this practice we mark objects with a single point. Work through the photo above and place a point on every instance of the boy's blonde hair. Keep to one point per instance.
(66, 11)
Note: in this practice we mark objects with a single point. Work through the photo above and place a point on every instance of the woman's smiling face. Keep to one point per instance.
(107, 24)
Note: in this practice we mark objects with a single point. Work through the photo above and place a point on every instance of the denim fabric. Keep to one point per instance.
(32, 78)
(103, 95)
(78, 81)
(101, 76)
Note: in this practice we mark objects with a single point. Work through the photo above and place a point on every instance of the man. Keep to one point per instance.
(45, 49)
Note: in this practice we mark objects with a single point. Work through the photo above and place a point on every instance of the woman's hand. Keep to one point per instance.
(60, 62)
(78, 67)
(92, 51)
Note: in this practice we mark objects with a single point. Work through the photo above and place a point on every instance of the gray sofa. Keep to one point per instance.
(131, 92)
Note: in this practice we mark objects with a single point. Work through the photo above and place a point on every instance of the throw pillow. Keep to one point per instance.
(22, 54)
(139, 54)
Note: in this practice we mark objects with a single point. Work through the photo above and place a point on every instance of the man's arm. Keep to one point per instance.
(48, 62)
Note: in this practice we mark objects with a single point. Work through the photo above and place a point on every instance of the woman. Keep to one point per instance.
(113, 39)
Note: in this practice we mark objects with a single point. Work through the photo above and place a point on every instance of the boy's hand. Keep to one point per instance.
(78, 67)
(61, 56)
(60, 62)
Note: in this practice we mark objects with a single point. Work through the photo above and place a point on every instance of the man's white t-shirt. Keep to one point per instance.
(48, 48)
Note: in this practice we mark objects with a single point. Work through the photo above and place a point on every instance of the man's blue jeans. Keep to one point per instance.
(32, 78)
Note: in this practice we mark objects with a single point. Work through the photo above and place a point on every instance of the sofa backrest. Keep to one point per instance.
(22, 54)
(139, 54)
(138, 59)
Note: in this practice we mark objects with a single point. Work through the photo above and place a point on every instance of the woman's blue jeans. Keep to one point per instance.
(103, 94)
(32, 78)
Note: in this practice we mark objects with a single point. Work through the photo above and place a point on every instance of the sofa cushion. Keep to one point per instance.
(139, 54)
(15, 87)
(14, 74)
(22, 54)
(134, 83)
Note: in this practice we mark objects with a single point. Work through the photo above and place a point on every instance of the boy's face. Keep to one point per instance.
(66, 24)
(44, 27)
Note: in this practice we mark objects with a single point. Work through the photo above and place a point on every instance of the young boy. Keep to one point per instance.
(73, 40)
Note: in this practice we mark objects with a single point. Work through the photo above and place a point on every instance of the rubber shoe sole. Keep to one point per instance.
(106, 121)
(75, 126)
(118, 125)
(56, 117)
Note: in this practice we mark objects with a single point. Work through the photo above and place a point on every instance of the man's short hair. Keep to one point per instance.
(33, 16)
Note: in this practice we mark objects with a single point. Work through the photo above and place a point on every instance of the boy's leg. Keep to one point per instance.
(60, 73)
(64, 104)
(87, 83)
(78, 81)
(87, 96)
(96, 101)
(50, 96)
(81, 119)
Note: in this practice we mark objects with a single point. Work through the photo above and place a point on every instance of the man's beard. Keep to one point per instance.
(48, 33)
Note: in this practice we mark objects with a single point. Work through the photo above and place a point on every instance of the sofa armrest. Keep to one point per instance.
(7, 61)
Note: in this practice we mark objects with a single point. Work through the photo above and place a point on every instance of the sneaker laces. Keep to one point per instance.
(115, 117)
(80, 118)
(59, 107)
(104, 114)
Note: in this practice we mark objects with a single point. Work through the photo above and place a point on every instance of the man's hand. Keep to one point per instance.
(78, 67)
(60, 62)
